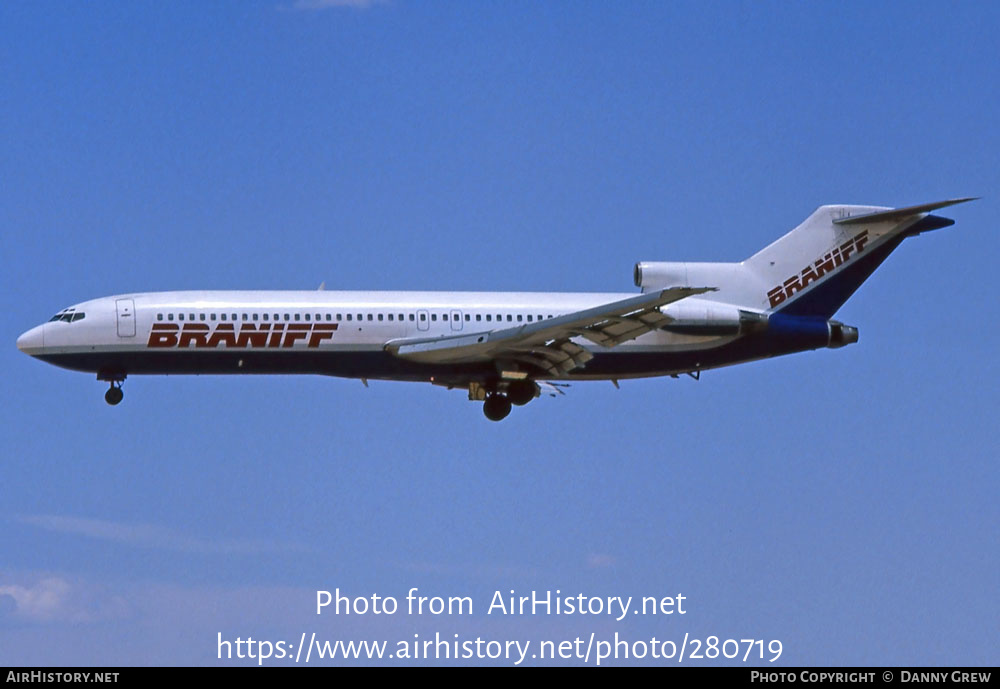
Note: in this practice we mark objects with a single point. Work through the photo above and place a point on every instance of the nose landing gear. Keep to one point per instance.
(114, 394)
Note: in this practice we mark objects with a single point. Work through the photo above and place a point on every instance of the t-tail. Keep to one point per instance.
(791, 289)
(812, 270)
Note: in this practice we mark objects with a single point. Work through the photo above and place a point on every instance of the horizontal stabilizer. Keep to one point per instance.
(898, 213)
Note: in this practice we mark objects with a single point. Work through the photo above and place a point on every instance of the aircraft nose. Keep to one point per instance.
(32, 341)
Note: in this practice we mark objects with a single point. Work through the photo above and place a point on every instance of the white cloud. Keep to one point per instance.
(328, 4)
(151, 536)
(56, 599)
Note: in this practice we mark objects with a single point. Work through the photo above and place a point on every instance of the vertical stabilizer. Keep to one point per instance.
(816, 267)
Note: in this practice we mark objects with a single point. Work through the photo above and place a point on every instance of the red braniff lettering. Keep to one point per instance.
(249, 336)
(813, 272)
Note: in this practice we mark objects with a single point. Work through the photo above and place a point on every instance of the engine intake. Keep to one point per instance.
(659, 273)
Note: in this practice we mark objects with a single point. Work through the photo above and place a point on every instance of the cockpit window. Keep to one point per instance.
(68, 316)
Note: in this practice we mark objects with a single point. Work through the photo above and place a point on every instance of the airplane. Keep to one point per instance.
(503, 348)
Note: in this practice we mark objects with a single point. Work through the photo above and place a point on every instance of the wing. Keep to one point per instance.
(547, 345)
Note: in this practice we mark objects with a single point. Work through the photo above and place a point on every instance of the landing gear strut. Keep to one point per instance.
(114, 394)
(496, 407)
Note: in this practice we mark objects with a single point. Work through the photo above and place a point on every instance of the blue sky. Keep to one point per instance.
(841, 501)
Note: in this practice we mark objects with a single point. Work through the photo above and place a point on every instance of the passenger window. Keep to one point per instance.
(340, 316)
(390, 316)
(400, 316)
(489, 317)
(159, 316)
(444, 316)
(509, 318)
(223, 316)
(265, 316)
(380, 317)
(369, 317)
(529, 317)
(348, 316)
(423, 316)
(479, 317)
(411, 316)
(234, 316)
(212, 317)
(434, 316)
(360, 317)
(307, 316)
(201, 316)
(287, 317)
(519, 318)
(180, 316)
(170, 316)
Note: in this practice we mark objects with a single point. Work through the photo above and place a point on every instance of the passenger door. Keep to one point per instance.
(126, 317)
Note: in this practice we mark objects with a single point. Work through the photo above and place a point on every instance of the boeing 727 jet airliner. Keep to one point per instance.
(504, 348)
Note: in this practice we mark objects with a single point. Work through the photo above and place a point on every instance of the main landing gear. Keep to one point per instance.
(497, 405)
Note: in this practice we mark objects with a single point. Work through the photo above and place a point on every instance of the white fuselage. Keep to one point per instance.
(200, 331)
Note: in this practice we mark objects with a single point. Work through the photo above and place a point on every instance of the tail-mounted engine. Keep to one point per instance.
(809, 332)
